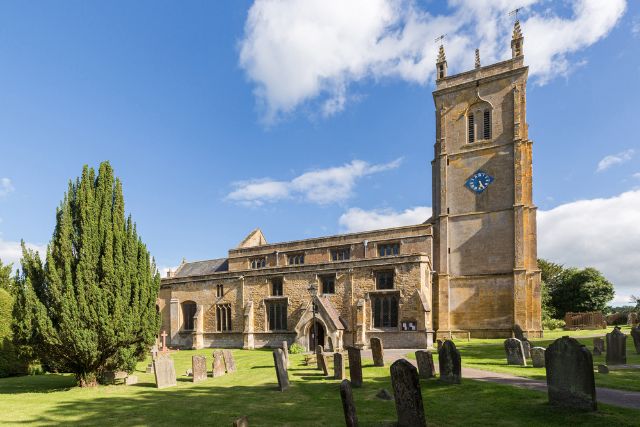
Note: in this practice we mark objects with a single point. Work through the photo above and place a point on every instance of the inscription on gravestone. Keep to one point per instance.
(635, 334)
(616, 347)
(570, 379)
(426, 368)
(165, 372)
(450, 363)
(229, 361)
(281, 369)
(338, 366)
(355, 366)
(348, 406)
(377, 351)
(514, 351)
(218, 364)
(407, 394)
(537, 357)
(199, 368)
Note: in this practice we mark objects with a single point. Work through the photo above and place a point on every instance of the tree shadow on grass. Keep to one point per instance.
(48, 383)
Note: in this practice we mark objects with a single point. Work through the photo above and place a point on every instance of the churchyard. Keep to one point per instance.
(311, 397)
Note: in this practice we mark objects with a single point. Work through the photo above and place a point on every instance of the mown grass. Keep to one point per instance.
(312, 400)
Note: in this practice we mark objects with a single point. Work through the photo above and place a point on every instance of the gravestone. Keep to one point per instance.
(229, 361)
(519, 333)
(570, 378)
(635, 334)
(450, 363)
(355, 366)
(439, 342)
(319, 351)
(338, 366)
(598, 346)
(348, 406)
(281, 369)
(384, 394)
(241, 422)
(199, 368)
(149, 369)
(407, 394)
(377, 351)
(165, 371)
(526, 349)
(324, 365)
(131, 380)
(164, 341)
(537, 357)
(616, 347)
(603, 369)
(515, 352)
(154, 351)
(632, 319)
(426, 368)
(285, 350)
(218, 364)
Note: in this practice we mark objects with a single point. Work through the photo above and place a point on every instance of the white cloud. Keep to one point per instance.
(6, 187)
(636, 175)
(615, 159)
(296, 51)
(11, 252)
(356, 219)
(600, 233)
(323, 186)
(635, 26)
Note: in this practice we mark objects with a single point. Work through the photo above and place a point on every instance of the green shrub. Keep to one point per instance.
(10, 363)
(296, 348)
(552, 324)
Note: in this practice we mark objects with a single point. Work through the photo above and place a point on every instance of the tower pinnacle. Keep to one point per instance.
(477, 58)
(441, 64)
(517, 41)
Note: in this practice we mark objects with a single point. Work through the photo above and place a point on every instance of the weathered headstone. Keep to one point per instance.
(324, 365)
(598, 346)
(165, 371)
(515, 352)
(348, 405)
(218, 364)
(131, 380)
(281, 369)
(285, 350)
(426, 368)
(635, 334)
(537, 357)
(570, 378)
(439, 342)
(355, 366)
(384, 394)
(229, 361)
(319, 351)
(603, 369)
(407, 394)
(199, 368)
(241, 422)
(526, 349)
(154, 351)
(377, 351)
(149, 369)
(632, 319)
(338, 366)
(450, 363)
(518, 332)
(616, 347)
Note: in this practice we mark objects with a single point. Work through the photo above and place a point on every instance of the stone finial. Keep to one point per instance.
(441, 56)
(517, 31)
(477, 58)
(517, 41)
(441, 64)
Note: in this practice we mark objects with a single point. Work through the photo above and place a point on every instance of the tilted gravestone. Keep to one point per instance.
(338, 367)
(407, 394)
(570, 379)
(199, 368)
(450, 363)
(426, 368)
(348, 405)
(616, 347)
(518, 333)
(598, 346)
(515, 352)
(324, 365)
(229, 361)
(165, 371)
(526, 349)
(632, 319)
(285, 350)
(355, 366)
(377, 351)
(281, 369)
(537, 357)
(319, 351)
(218, 364)
(635, 334)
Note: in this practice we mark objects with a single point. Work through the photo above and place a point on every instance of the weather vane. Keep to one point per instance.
(439, 39)
(514, 12)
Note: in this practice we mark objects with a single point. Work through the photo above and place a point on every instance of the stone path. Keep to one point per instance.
(609, 396)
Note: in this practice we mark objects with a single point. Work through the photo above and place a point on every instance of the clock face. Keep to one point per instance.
(478, 182)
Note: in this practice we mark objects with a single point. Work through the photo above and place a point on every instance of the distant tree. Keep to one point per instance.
(552, 274)
(90, 306)
(636, 300)
(580, 291)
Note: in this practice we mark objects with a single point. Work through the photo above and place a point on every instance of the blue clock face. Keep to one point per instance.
(478, 182)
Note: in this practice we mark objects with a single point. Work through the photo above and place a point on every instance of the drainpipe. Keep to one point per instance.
(365, 243)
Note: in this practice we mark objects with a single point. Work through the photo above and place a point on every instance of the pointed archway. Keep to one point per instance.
(317, 335)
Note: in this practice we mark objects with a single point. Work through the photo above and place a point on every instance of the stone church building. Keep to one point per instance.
(469, 269)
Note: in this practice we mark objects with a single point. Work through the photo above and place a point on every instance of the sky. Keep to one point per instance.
(309, 118)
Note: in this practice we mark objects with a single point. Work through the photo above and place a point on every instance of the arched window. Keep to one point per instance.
(223, 317)
(188, 313)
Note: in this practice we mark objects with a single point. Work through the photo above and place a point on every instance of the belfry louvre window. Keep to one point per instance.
(258, 263)
(296, 259)
(487, 125)
(277, 315)
(223, 317)
(340, 254)
(219, 291)
(188, 312)
(385, 311)
(384, 279)
(276, 287)
(389, 249)
(471, 128)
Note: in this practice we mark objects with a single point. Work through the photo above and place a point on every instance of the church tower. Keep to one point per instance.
(486, 278)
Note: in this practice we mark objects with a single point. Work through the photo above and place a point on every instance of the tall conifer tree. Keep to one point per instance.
(92, 305)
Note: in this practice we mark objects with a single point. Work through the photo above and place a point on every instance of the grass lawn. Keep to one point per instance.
(311, 400)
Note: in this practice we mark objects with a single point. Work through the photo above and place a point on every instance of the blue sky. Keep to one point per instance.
(308, 119)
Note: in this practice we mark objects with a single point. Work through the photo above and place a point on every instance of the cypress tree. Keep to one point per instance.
(91, 306)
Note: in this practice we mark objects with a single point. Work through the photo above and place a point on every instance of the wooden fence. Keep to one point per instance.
(591, 320)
